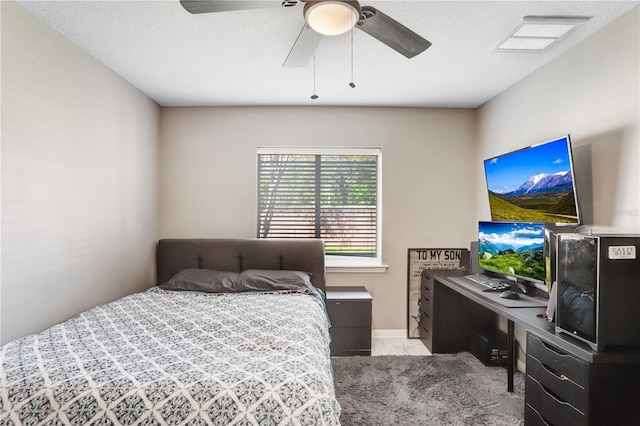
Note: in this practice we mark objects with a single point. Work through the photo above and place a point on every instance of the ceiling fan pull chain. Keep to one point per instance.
(352, 84)
(314, 96)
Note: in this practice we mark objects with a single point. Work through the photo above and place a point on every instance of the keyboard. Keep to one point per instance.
(491, 284)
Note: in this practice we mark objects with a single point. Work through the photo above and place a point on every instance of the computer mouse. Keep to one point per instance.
(509, 294)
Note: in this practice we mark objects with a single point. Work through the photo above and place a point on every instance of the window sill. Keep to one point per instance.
(355, 266)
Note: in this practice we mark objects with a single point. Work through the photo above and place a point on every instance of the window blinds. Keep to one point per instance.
(332, 197)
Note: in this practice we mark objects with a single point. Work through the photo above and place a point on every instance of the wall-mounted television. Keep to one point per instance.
(513, 250)
(534, 184)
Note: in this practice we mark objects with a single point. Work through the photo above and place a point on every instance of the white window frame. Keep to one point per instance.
(336, 263)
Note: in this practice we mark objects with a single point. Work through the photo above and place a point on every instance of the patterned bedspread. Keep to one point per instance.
(162, 357)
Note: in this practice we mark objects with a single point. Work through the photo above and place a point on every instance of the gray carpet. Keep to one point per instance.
(443, 389)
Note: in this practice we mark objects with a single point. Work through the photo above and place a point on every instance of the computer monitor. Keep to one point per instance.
(513, 250)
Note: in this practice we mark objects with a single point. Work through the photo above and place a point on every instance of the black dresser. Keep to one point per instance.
(565, 390)
(349, 310)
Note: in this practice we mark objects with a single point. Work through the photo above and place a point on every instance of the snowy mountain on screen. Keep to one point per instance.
(560, 181)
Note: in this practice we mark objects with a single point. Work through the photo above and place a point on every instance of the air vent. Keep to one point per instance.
(536, 33)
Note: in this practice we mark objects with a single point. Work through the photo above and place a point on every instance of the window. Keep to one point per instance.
(332, 194)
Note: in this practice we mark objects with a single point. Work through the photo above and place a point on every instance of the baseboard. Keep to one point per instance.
(386, 333)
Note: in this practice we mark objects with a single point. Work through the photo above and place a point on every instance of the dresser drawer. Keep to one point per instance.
(558, 361)
(563, 388)
(426, 308)
(426, 322)
(427, 284)
(425, 300)
(426, 328)
(533, 418)
(555, 410)
(347, 313)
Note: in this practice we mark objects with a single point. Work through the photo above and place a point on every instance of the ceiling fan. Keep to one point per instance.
(326, 17)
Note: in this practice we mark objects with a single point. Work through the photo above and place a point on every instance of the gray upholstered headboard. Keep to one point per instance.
(236, 255)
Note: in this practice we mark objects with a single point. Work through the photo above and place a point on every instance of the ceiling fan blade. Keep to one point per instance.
(392, 33)
(209, 6)
(303, 48)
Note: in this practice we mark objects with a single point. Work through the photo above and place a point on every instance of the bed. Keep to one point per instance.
(253, 352)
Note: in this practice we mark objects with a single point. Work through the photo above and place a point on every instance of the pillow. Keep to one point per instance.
(202, 280)
(267, 280)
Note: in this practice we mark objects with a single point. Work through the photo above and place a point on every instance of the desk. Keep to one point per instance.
(453, 306)
(462, 315)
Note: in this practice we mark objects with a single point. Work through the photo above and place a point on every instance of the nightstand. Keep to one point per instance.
(349, 310)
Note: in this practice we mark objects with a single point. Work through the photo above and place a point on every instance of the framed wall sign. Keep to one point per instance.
(419, 259)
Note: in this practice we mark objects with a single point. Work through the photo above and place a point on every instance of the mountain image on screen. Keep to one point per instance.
(534, 184)
(560, 181)
(512, 248)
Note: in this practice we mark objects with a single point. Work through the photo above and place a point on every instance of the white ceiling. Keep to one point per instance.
(235, 58)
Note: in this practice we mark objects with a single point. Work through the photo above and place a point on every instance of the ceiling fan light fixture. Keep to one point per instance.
(331, 17)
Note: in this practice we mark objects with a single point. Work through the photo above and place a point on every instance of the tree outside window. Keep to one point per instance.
(332, 196)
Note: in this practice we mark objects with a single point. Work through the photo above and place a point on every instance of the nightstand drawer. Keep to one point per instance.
(352, 314)
(350, 340)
